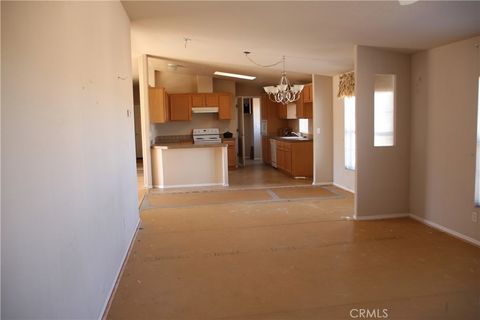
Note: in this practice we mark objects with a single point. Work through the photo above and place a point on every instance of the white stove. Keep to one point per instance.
(206, 136)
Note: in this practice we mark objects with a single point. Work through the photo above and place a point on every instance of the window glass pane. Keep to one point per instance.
(384, 110)
(477, 173)
(303, 125)
(349, 120)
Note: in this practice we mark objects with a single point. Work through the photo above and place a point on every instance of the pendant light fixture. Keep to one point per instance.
(284, 92)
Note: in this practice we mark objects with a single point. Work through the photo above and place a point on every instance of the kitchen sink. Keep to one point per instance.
(294, 138)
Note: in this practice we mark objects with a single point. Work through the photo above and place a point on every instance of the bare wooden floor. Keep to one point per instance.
(296, 255)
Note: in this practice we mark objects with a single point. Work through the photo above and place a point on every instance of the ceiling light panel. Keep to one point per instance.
(234, 75)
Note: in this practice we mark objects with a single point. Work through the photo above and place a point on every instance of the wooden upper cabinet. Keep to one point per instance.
(304, 103)
(211, 99)
(263, 107)
(281, 110)
(224, 106)
(158, 104)
(307, 93)
(180, 107)
(198, 100)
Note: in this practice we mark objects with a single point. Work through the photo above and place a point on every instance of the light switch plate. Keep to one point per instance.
(318, 130)
(474, 217)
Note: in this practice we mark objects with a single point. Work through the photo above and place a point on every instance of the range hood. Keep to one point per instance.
(205, 110)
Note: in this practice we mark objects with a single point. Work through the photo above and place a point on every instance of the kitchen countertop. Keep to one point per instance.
(188, 145)
(291, 140)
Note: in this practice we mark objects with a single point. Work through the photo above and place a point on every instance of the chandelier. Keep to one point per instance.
(284, 92)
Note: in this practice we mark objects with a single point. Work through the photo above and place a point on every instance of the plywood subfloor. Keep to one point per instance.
(300, 259)
(302, 192)
(206, 197)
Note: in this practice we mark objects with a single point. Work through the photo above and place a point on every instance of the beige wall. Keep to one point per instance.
(248, 90)
(68, 157)
(444, 113)
(382, 175)
(323, 129)
(341, 176)
(198, 120)
(176, 82)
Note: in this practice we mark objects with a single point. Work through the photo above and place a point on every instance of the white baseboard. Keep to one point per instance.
(322, 183)
(427, 222)
(446, 230)
(192, 185)
(382, 216)
(344, 188)
(119, 273)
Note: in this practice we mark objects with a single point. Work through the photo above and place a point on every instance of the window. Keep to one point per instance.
(477, 172)
(384, 110)
(303, 125)
(349, 122)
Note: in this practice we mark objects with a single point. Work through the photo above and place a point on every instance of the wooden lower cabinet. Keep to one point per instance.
(295, 158)
(266, 151)
(232, 153)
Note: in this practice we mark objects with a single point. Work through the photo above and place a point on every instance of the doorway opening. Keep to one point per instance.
(259, 127)
(138, 143)
(249, 131)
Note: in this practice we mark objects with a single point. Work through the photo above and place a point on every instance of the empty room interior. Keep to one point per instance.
(240, 160)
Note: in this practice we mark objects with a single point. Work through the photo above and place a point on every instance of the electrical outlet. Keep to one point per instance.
(474, 217)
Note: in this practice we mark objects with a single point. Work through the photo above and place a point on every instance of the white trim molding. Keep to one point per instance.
(322, 183)
(381, 216)
(344, 188)
(427, 222)
(199, 185)
(113, 289)
(451, 232)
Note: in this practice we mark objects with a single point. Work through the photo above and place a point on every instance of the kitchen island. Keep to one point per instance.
(292, 155)
(180, 165)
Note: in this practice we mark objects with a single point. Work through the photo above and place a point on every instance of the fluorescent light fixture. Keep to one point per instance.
(234, 75)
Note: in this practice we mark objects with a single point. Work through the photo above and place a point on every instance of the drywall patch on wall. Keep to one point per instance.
(68, 157)
(444, 112)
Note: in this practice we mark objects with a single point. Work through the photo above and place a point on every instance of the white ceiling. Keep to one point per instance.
(316, 37)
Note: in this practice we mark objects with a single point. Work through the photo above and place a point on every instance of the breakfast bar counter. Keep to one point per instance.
(176, 165)
(188, 145)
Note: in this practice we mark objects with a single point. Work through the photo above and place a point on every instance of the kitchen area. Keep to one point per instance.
(195, 139)
(287, 140)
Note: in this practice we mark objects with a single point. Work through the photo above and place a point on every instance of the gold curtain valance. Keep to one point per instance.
(346, 85)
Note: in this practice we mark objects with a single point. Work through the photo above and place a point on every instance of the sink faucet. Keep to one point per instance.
(298, 134)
